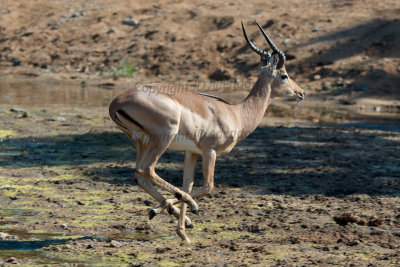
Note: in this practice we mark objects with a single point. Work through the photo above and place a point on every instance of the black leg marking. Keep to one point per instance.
(152, 213)
(178, 195)
(171, 210)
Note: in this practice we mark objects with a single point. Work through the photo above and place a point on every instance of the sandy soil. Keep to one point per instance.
(348, 48)
(316, 185)
(322, 195)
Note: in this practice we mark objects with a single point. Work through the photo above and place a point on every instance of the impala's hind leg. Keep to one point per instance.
(156, 147)
(188, 178)
(152, 190)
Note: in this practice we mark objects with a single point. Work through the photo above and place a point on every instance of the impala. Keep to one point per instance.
(197, 123)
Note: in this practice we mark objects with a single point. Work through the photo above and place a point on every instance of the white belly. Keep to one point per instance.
(180, 142)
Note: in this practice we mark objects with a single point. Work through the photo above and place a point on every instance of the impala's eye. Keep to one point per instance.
(284, 77)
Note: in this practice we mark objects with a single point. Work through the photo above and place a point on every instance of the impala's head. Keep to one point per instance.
(274, 66)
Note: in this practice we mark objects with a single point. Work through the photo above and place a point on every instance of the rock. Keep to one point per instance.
(377, 109)
(130, 22)
(223, 22)
(346, 218)
(23, 115)
(111, 30)
(17, 110)
(76, 14)
(12, 260)
(5, 236)
(68, 246)
(64, 226)
(326, 86)
(115, 244)
(16, 63)
(317, 77)
(90, 246)
(316, 28)
(219, 75)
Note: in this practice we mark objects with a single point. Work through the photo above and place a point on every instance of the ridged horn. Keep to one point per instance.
(282, 57)
(262, 53)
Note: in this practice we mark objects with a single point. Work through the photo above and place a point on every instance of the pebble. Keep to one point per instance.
(377, 108)
(90, 246)
(64, 226)
(326, 86)
(115, 244)
(5, 236)
(12, 260)
(317, 77)
(130, 22)
(316, 28)
(111, 30)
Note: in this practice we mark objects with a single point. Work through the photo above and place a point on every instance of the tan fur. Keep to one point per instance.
(168, 116)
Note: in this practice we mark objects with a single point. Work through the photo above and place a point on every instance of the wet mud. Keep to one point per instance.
(293, 193)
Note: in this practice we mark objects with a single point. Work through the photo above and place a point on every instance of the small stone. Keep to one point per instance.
(316, 28)
(326, 86)
(130, 22)
(16, 63)
(12, 260)
(17, 110)
(64, 226)
(115, 244)
(76, 14)
(111, 30)
(317, 77)
(23, 115)
(68, 246)
(90, 246)
(55, 27)
(219, 75)
(377, 109)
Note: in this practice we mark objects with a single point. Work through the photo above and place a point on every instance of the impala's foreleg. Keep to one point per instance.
(188, 178)
(208, 165)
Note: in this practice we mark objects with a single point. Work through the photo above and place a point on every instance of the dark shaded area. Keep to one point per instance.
(331, 160)
(34, 244)
(376, 39)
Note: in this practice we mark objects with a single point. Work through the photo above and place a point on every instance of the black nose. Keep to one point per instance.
(301, 95)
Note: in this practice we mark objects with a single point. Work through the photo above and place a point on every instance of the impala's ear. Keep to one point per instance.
(273, 61)
(263, 63)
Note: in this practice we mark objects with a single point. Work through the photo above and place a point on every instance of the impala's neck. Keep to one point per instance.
(252, 109)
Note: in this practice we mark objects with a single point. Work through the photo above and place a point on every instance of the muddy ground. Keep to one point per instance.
(315, 184)
(316, 194)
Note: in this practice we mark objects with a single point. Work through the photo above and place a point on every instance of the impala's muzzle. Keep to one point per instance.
(300, 96)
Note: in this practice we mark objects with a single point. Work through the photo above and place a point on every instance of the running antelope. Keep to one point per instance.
(197, 123)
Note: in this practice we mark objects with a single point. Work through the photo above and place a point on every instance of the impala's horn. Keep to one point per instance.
(262, 53)
(281, 55)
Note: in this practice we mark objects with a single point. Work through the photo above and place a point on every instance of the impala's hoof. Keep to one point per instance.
(170, 210)
(152, 214)
(195, 210)
(190, 226)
